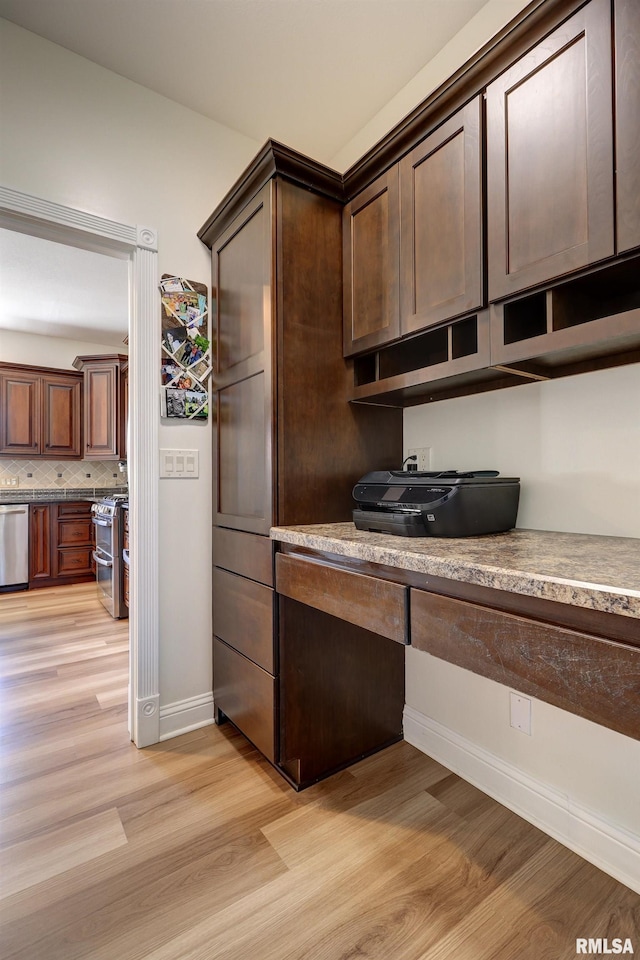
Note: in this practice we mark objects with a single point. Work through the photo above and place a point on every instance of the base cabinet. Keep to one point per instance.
(246, 695)
(341, 692)
(60, 543)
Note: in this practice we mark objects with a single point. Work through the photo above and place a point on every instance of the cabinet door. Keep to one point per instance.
(101, 412)
(39, 542)
(550, 156)
(62, 416)
(627, 37)
(441, 233)
(371, 225)
(20, 424)
(243, 260)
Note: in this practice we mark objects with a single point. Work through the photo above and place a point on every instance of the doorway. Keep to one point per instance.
(138, 245)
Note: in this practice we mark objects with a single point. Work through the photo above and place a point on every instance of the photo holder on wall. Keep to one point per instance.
(186, 349)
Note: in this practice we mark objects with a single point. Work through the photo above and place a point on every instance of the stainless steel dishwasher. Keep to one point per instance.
(14, 544)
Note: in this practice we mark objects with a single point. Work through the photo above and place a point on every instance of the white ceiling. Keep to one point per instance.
(54, 290)
(310, 73)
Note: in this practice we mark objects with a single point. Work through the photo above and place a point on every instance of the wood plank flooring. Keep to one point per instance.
(195, 849)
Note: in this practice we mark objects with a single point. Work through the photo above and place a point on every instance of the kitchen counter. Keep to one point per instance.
(595, 572)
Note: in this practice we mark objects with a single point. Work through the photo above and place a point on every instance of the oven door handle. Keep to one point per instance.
(100, 523)
(103, 563)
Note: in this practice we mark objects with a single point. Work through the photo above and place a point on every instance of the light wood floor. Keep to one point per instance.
(195, 849)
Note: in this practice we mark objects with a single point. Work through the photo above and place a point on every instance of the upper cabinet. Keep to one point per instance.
(412, 240)
(441, 223)
(550, 165)
(371, 265)
(105, 406)
(244, 376)
(288, 447)
(627, 100)
(40, 413)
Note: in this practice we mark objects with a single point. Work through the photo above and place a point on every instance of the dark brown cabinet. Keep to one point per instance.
(371, 265)
(550, 166)
(441, 255)
(60, 543)
(105, 406)
(40, 413)
(39, 544)
(288, 446)
(627, 108)
(413, 251)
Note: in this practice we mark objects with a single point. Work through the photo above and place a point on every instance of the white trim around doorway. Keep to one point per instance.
(139, 245)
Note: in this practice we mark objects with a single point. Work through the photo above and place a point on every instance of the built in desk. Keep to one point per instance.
(555, 616)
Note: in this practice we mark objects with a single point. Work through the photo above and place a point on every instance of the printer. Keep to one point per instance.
(443, 503)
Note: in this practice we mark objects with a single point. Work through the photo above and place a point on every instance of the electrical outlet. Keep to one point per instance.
(9, 482)
(521, 713)
(424, 457)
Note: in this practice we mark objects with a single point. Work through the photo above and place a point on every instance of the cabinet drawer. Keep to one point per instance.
(374, 604)
(248, 554)
(73, 560)
(586, 675)
(246, 695)
(78, 508)
(73, 531)
(243, 616)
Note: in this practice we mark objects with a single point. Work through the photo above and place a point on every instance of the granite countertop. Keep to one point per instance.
(57, 494)
(599, 573)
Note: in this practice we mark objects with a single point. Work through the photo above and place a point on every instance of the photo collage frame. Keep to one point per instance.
(186, 349)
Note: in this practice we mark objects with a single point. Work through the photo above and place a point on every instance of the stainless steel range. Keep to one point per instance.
(107, 520)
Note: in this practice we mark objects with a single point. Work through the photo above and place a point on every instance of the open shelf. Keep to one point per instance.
(446, 361)
(587, 322)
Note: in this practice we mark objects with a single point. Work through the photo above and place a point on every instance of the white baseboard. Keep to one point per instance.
(606, 846)
(185, 715)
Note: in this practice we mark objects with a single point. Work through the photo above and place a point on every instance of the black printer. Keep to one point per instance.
(436, 504)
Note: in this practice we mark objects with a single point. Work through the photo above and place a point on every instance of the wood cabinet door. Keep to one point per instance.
(62, 416)
(39, 542)
(441, 259)
(20, 423)
(371, 225)
(550, 156)
(243, 291)
(627, 45)
(101, 411)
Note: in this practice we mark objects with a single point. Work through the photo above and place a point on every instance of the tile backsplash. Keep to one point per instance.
(52, 474)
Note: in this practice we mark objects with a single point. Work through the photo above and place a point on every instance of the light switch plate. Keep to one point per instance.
(179, 464)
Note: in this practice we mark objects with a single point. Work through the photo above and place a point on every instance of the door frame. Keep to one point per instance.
(139, 246)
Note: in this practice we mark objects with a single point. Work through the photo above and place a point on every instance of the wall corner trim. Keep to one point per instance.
(607, 846)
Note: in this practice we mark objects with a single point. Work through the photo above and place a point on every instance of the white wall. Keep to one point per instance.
(42, 351)
(487, 22)
(79, 135)
(575, 444)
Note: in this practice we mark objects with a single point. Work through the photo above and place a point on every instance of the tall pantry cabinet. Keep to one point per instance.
(288, 445)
